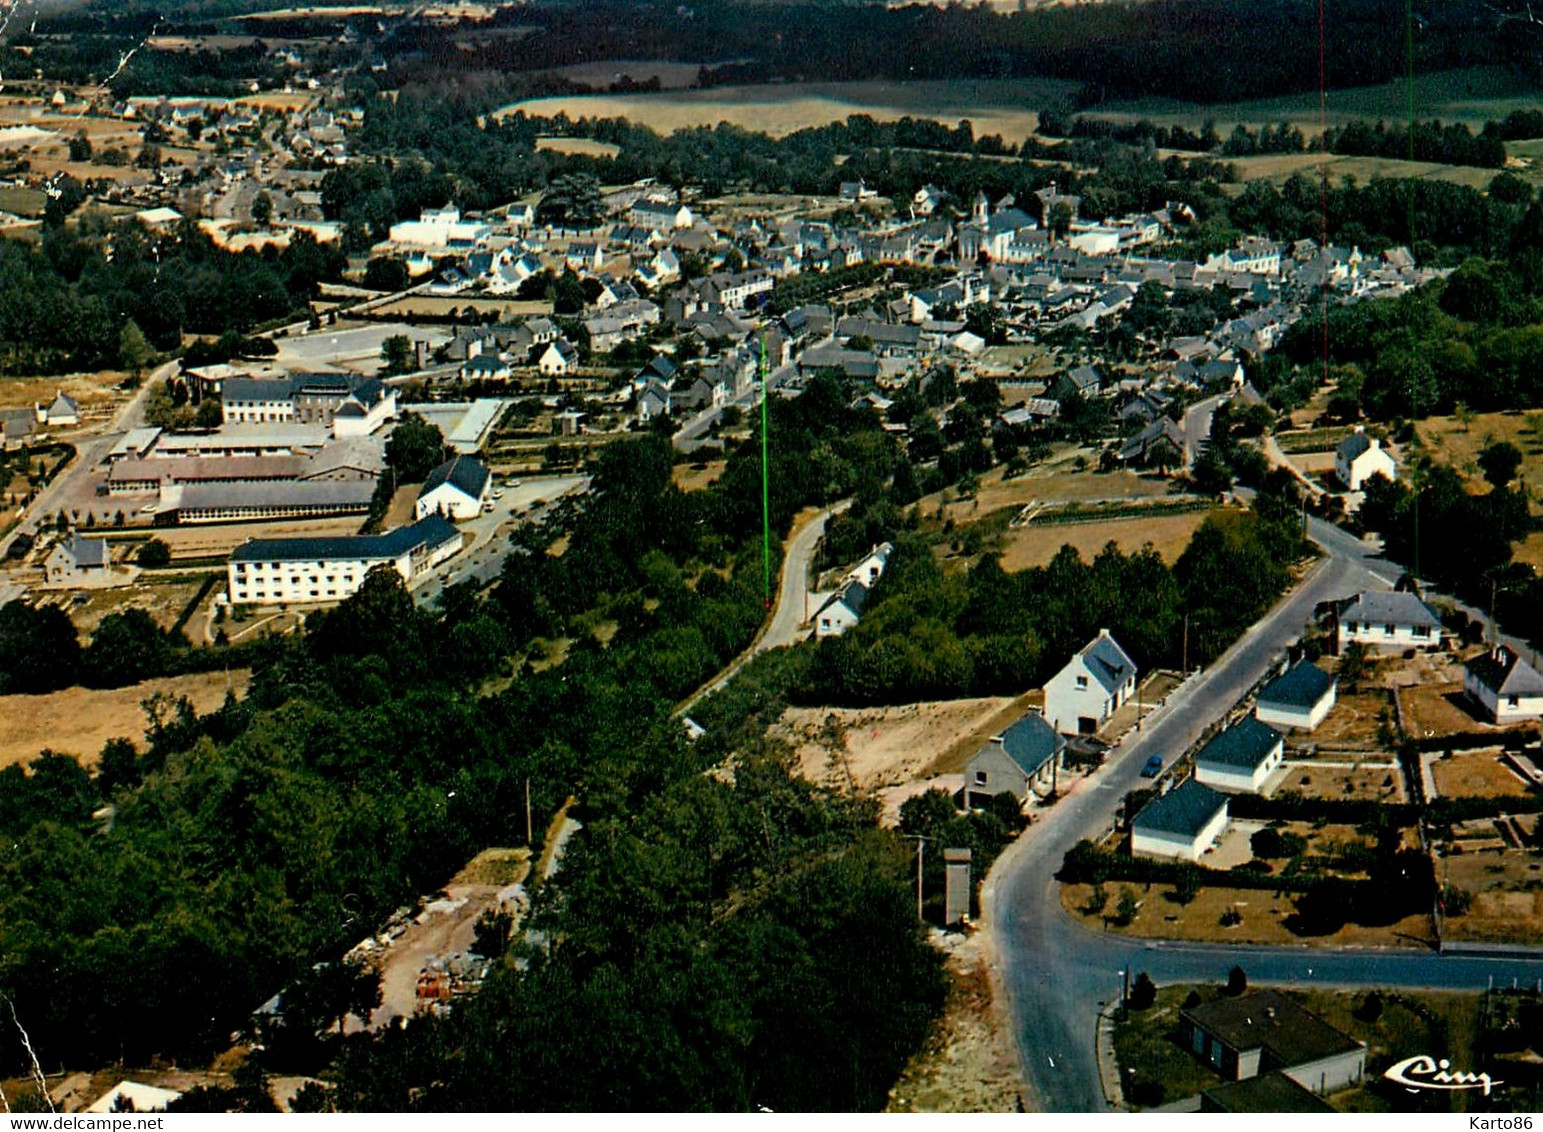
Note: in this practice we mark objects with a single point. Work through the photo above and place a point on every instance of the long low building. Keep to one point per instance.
(254, 502)
(287, 571)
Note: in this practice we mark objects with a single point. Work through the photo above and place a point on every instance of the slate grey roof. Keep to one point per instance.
(1243, 746)
(1505, 673)
(1383, 608)
(256, 389)
(1184, 811)
(237, 495)
(87, 552)
(1272, 1021)
(1110, 664)
(1030, 743)
(464, 472)
(1300, 687)
(431, 532)
(1268, 1092)
(1353, 445)
(853, 595)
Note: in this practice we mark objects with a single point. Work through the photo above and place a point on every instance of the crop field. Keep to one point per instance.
(1458, 443)
(583, 147)
(994, 106)
(1035, 545)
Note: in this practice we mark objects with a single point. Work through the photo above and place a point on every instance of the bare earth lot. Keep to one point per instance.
(870, 748)
(1035, 545)
(1365, 782)
(1058, 482)
(1477, 774)
(1507, 890)
(78, 721)
(1450, 441)
(1352, 725)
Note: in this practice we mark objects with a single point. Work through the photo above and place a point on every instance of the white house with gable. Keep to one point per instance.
(1504, 686)
(1091, 688)
(1360, 457)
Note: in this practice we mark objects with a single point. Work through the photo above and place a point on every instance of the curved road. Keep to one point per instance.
(791, 611)
(1055, 972)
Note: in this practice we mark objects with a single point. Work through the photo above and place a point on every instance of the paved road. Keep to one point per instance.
(1055, 972)
(792, 601)
(692, 435)
(1197, 426)
(88, 454)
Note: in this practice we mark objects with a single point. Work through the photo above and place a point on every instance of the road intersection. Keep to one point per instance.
(1055, 973)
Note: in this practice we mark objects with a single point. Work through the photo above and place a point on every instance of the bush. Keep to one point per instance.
(154, 554)
(1143, 993)
(1237, 981)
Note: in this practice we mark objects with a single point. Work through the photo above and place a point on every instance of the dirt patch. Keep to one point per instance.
(164, 601)
(1263, 914)
(873, 748)
(95, 394)
(1506, 887)
(1350, 784)
(696, 477)
(217, 540)
(1355, 723)
(1458, 443)
(1057, 481)
(1477, 774)
(1035, 545)
(1438, 709)
(78, 721)
(967, 1063)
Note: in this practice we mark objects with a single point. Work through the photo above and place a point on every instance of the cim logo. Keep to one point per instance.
(1425, 1072)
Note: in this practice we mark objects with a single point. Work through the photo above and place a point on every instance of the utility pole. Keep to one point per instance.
(1184, 647)
(528, 840)
(920, 842)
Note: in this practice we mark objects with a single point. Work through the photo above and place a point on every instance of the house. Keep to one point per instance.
(457, 488)
(63, 411)
(1023, 759)
(285, 570)
(841, 610)
(871, 568)
(1359, 457)
(1182, 823)
(559, 358)
(1388, 620)
(654, 400)
(660, 216)
(17, 427)
(1152, 442)
(78, 561)
(1268, 1031)
(1505, 687)
(1241, 758)
(1091, 688)
(485, 367)
(131, 1096)
(1302, 697)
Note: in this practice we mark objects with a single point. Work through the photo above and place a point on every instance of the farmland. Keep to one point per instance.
(994, 106)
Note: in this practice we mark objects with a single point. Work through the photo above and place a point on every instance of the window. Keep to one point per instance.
(1422, 630)
(1387, 630)
(1512, 701)
(1082, 681)
(980, 778)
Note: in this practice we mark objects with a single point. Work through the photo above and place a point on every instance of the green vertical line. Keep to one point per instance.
(765, 485)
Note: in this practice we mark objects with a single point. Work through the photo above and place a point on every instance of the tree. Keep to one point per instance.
(414, 449)
(385, 274)
(154, 554)
(571, 201)
(1163, 455)
(209, 414)
(80, 146)
(1143, 992)
(134, 352)
(126, 648)
(1499, 463)
(262, 209)
(1237, 981)
(396, 355)
(38, 648)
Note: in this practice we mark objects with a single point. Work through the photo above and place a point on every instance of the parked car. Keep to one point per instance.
(1153, 768)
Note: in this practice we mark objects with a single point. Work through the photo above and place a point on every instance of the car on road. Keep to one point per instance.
(1153, 767)
(498, 493)
(512, 481)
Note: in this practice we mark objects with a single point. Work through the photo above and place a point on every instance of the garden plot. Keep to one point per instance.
(1376, 781)
(1501, 887)
(1360, 722)
(1484, 773)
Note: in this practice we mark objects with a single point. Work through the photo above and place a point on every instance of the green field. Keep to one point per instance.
(1474, 95)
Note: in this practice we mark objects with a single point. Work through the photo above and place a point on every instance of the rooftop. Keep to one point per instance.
(1505, 673)
(431, 532)
(1270, 1020)
(1302, 686)
(1244, 746)
(1398, 608)
(1185, 810)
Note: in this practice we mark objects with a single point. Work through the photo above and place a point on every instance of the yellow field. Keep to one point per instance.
(1451, 442)
(994, 106)
(78, 721)
(1278, 167)
(1037, 545)
(584, 147)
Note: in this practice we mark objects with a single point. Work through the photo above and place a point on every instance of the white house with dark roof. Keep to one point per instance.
(457, 488)
(559, 358)
(841, 610)
(62, 411)
(1091, 688)
(1503, 685)
(1302, 697)
(303, 570)
(1182, 823)
(1388, 621)
(1242, 758)
(1360, 457)
(1023, 759)
(78, 561)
